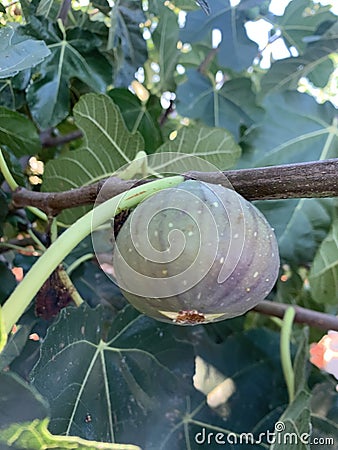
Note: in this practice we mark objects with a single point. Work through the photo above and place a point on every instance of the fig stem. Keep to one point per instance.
(285, 353)
(6, 173)
(22, 295)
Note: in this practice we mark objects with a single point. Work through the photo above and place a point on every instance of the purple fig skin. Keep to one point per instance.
(236, 238)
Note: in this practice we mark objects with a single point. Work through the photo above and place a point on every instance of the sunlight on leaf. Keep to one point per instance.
(314, 63)
(125, 37)
(108, 146)
(301, 19)
(215, 145)
(3, 334)
(236, 50)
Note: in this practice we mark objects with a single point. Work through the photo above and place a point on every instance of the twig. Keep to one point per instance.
(166, 113)
(48, 140)
(203, 67)
(299, 180)
(16, 243)
(63, 11)
(55, 202)
(303, 315)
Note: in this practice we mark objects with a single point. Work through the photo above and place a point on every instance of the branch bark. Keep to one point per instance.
(64, 9)
(299, 180)
(48, 140)
(306, 316)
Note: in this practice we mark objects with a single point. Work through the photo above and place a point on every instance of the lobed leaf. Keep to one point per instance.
(18, 53)
(128, 376)
(125, 37)
(295, 128)
(295, 425)
(236, 50)
(133, 377)
(215, 145)
(108, 146)
(25, 142)
(24, 422)
(229, 107)
(165, 38)
(138, 116)
(73, 56)
(302, 18)
(300, 226)
(314, 63)
(49, 9)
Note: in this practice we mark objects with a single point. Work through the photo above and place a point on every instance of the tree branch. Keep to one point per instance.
(63, 11)
(48, 140)
(307, 316)
(55, 202)
(299, 180)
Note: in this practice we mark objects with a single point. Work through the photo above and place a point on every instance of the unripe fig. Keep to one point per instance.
(196, 253)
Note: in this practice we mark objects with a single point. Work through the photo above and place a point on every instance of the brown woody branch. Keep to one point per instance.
(306, 316)
(313, 179)
(63, 11)
(299, 180)
(48, 140)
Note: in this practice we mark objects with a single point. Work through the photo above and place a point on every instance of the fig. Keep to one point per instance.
(196, 253)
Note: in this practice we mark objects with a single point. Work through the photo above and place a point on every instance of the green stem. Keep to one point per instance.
(285, 351)
(6, 173)
(78, 262)
(22, 295)
(68, 284)
(38, 213)
(36, 240)
(53, 230)
(16, 247)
